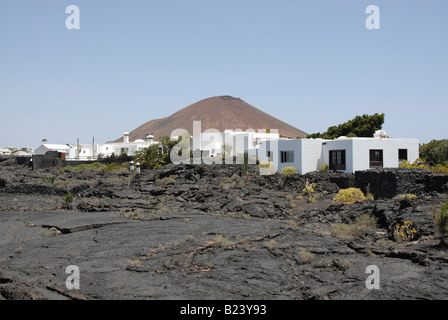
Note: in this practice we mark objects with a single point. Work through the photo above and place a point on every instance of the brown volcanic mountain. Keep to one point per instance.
(223, 112)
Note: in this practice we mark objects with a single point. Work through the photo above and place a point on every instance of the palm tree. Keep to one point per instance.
(150, 156)
(44, 141)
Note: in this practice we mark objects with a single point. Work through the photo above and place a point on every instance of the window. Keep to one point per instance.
(402, 154)
(269, 155)
(337, 160)
(286, 156)
(376, 158)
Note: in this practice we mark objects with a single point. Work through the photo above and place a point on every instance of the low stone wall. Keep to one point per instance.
(51, 159)
(48, 160)
(118, 160)
(387, 183)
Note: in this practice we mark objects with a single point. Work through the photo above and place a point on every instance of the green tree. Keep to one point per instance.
(167, 145)
(150, 156)
(435, 151)
(360, 126)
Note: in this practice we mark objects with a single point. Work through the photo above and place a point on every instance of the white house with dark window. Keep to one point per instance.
(354, 154)
(342, 154)
(91, 151)
(303, 154)
(233, 142)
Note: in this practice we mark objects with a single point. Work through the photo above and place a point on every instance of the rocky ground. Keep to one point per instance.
(209, 232)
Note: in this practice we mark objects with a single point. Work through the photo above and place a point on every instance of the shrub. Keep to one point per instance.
(346, 231)
(308, 191)
(223, 242)
(89, 166)
(271, 244)
(442, 222)
(266, 168)
(264, 164)
(68, 199)
(370, 196)
(323, 167)
(304, 256)
(288, 171)
(408, 196)
(49, 180)
(362, 224)
(134, 264)
(82, 167)
(437, 169)
(112, 166)
(404, 232)
(349, 195)
(366, 221)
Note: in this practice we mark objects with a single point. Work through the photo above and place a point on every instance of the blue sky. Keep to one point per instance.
(310, 63)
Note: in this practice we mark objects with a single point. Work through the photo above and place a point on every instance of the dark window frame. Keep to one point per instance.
(401, 153)
(284, 156)
(376, 158)
(337, 159)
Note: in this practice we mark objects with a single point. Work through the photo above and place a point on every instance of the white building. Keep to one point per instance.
(5, 151)
(66, 151)
(92, 151)
(125, 146)
(342, 154)
(232, 142)
(303, 154)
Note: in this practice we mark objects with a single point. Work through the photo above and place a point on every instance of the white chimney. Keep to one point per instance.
(126, 137)
(150, 138)
(380, 134)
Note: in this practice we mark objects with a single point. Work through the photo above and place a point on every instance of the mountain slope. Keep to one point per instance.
(222, 112)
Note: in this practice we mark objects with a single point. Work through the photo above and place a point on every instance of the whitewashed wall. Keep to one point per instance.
(342, 144)
(390, 147)
(358, 151)
(311, 149)
(289, 145)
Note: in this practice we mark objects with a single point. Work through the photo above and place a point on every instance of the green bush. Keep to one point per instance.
(288, 171)
(418, 164)
(308, 191)
(408, 196)
(435, 151)
(83, 167)
(350, 195)
(112, 166)
(442, 222)
(68, 199)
